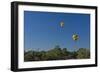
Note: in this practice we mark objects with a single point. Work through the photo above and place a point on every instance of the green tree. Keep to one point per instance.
(83, 53)
(55, 53)
(28, 56)
(43, 55)
(65, 52)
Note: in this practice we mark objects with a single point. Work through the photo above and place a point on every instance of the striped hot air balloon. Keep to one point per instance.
(75, 37)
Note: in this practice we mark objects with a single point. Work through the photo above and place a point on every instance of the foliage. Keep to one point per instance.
(83, 53)
(56, 53)
(28, 56)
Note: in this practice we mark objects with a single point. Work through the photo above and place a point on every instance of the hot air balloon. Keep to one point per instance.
(62, 24)
(75, 37)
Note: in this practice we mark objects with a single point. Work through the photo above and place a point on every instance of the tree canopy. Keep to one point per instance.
(56, 53)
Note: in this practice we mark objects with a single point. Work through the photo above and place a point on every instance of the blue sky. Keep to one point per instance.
(42, 30)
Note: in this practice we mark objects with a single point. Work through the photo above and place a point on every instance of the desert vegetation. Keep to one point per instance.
(56, 53)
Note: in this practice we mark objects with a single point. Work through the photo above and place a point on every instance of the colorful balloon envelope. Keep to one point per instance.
(75, 37)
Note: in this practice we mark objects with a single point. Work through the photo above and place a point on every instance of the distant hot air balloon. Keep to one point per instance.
(62, 24)
(75, 38)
